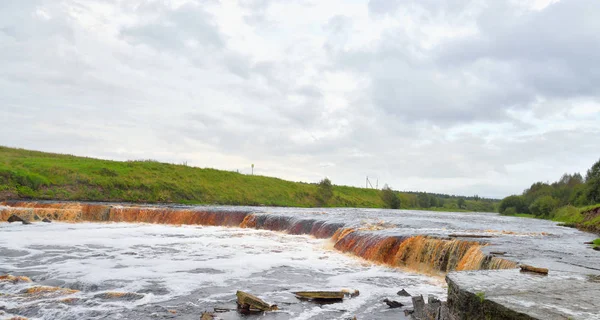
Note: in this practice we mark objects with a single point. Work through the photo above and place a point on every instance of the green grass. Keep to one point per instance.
(481, 296)
(38, 175)
(583, 218)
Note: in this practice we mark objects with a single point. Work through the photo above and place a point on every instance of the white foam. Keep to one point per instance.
(133, 257)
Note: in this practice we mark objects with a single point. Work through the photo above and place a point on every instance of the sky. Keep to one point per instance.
(452, 96)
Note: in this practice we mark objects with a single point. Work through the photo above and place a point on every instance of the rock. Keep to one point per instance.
(351, 293)
(250, 302)
(403, 293)
(459, 235)
(392, 303)
(14, 279)
(528, 268)
(498, 253)
(589, 242)
(597, 248)
(325, 295)
(16, 218)
(419, 307)
(36, 217)
(46, 220)
(207, 316)
(431, 299)
(128, 296)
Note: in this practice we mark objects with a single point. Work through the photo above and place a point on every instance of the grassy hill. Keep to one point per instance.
(28, 174)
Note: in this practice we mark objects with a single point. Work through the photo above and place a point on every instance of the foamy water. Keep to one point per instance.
(180, 271)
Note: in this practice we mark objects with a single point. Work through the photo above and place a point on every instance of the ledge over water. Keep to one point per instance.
(511, 294)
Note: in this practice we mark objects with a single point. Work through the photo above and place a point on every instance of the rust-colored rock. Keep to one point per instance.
(45, 290)
(207, 316)
(251, 302)
(14, 279)
(119, 296)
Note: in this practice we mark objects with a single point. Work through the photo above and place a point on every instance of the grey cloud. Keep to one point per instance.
(157, 96)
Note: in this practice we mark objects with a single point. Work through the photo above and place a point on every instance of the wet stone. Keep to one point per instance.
(403, 293)
(508, 294)
(393, 304)
(125, 296)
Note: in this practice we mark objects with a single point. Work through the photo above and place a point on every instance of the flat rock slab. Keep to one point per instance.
(520, 295)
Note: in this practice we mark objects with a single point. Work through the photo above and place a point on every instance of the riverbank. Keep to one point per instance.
(33, 175)
(583, 218)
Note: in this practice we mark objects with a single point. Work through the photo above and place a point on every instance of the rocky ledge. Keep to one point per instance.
(513, 294)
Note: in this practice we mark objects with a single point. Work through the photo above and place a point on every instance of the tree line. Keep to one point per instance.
(393, 199)
(542, 199)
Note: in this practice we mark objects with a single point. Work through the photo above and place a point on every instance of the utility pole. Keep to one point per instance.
(253, 169)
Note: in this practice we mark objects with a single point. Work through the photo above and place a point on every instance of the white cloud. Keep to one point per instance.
(455, 96)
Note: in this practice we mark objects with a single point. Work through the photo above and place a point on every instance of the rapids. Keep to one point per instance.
(176, 261)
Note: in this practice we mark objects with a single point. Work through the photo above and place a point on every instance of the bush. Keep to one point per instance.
(543, 206)
(567, 214)
(510, 211)
(324, 191)
(517, 202)
(390, 198)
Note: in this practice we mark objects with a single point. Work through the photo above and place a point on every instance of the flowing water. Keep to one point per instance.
(175, 262)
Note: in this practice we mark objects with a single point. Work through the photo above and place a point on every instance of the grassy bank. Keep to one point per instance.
(28, 174)
(585, 218)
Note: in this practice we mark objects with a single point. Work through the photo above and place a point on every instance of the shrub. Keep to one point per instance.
(543, 206)
(510, 211)
(390, 198)
(514, 201)
(324, 191)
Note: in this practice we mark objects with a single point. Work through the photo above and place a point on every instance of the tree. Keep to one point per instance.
(543, 206)
(514, 201)
(423, 200)
(593, 172)
(325, 191)
(461, 203)
(390, 198)
(592, 180)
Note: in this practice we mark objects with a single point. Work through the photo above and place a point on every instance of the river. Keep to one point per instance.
(180, 269)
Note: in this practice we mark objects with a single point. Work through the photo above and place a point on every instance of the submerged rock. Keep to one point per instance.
(392, 303)
(44, 290)
(249, 302)
(207, 316)
(128, 296)
(46, 220)
(14, 279)
(16, 218)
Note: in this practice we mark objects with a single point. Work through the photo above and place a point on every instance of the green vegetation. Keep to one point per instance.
(481, 296)
(571, 200)
(596, 243)
(390, 198)
(325, 192)
(38, 175)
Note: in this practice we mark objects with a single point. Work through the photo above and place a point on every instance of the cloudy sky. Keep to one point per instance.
(456, 96)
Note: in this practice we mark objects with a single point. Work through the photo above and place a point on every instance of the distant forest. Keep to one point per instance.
(545, 200)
